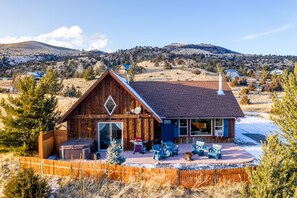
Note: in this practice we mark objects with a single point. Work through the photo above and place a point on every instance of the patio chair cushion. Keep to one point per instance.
(172, 147)
(200, 143)
(215, 151)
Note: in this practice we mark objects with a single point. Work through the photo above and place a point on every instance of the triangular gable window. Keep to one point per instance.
(110, 105)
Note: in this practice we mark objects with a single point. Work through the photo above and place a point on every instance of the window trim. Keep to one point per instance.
(110, 97)
(187, 127)
(211, 127)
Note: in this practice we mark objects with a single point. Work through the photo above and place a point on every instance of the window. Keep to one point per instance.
(219, 124)
(200, 127)
(110, 105)
(183, 127)
(219, 127)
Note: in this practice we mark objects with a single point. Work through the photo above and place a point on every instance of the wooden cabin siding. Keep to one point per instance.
(231, 128)
(91, 111)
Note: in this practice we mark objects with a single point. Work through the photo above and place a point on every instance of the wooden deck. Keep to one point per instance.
(231, 154)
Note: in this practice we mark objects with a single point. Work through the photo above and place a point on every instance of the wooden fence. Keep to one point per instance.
(95, 169)
(49, 142)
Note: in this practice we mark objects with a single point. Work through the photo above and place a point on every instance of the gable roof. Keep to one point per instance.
(123, 83)
(126, 66)
(188, 99)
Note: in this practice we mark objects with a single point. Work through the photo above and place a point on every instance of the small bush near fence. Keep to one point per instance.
(96, 170)
(26, 184)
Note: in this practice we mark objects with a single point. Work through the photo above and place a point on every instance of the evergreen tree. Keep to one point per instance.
(276, 176)
(26, 114)
(51, 82)
(285, 110)
(264, 75)
(113, 154)
(89, 74)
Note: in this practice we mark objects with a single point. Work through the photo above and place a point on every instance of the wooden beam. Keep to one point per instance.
(118, 116)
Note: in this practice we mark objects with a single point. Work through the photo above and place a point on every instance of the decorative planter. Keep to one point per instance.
(188, 156)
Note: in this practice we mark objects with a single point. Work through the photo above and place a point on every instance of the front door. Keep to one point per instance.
(107, 131)
(167, 130)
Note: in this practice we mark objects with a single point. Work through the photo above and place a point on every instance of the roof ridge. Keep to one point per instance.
(179, 81)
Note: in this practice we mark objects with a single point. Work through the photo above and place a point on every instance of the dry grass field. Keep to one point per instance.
(177, 73)
(260, 101)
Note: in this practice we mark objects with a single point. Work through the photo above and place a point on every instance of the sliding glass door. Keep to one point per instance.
(107, 132)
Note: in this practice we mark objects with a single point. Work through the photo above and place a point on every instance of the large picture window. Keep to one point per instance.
(200, 127)
(183, 127)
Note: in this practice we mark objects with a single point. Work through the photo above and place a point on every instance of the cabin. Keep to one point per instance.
(232, 73)
(122, 69)
(37, 75)
(178, 111)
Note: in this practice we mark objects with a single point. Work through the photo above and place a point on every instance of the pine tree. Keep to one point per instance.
(285, 110)
(89, 74)
(26, 114)
(264, 75)
(51, 82)
(275, 176)
(113, 154)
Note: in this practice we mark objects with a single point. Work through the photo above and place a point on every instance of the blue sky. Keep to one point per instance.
(258, 27)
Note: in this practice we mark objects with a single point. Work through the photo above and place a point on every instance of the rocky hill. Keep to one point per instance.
(32, 56)
(29, 48)
(198, 49)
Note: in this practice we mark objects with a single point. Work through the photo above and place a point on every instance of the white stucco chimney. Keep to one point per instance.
(220, 92)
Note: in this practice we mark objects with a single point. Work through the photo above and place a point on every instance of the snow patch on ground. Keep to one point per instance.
(253, 125)
(195, 166)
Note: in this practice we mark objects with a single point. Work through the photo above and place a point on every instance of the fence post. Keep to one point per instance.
(42, 167)
(40, 145)
(177, 177)
(215, 176)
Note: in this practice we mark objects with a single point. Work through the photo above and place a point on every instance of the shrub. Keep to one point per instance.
(113, 154)
(196, 71)
(234, 82)
(156, 64)
(89, 74)
(244, 91)
(71, 92)
(251, 73)
(135, 69)
(271, 87)
(167, 65)
(251, 86)
(245, 100)
(242, 81)
(26, 184)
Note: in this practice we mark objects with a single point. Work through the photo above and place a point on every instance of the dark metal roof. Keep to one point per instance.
(177, 99)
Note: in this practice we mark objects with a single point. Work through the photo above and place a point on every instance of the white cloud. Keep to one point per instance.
(274, 31)
(71, 37)
(97, 42)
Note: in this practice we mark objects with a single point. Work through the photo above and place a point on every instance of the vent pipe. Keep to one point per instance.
(220, 91)
(128, 78)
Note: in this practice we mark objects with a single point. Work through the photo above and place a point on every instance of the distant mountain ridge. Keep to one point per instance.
(201, 48)
(28, 48)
